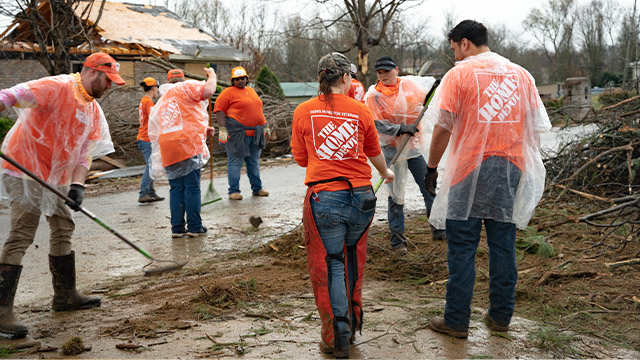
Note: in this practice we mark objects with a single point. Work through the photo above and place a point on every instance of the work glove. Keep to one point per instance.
(267, 132)
(223, 135)
(431, 180)
(75, 194)
(410, 129)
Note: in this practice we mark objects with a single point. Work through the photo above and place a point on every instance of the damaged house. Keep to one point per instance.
(137, 36)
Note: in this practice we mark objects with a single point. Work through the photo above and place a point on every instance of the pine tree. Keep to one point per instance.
(268, 82)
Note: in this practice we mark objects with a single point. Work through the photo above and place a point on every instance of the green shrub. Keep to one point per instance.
(5, 125)
(268, 82)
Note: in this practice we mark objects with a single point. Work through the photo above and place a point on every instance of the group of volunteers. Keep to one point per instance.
(486, 115)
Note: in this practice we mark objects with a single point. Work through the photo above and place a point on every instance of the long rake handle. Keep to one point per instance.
(68, 199)
(406, 137)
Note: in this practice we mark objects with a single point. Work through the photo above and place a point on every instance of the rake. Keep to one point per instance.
(173, 265)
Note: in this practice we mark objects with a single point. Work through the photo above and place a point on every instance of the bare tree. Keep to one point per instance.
(595, 20)
(370, 22)
(552, 26)
(55, 26)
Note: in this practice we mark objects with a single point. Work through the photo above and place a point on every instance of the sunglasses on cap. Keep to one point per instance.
(115, 66)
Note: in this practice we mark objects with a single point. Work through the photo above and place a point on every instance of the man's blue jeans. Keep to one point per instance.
(184, 197)
(395, 215)
(463, 237)
(234, 165)
(341, 222)
(146, 186)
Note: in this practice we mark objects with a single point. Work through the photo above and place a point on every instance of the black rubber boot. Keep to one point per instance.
(65, 297)
(9, 277)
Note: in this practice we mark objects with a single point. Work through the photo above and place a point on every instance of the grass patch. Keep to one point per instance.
(553, 340)
(6, 351)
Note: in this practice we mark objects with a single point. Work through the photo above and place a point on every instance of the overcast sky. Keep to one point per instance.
(494, 12)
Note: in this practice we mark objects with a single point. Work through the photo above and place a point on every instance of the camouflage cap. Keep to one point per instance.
(334, 65)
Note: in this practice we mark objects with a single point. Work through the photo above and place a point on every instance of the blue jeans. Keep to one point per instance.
(184, 197)
(463, 237)
(146, 186)
(395, 215)
(341, 222)
(234, 165)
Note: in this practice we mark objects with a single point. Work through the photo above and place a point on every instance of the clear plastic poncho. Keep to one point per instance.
(494, 168)
(178, 130)
(58, 128)
(390, 109)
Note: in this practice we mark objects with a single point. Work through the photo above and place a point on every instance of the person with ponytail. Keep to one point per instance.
(333, 135)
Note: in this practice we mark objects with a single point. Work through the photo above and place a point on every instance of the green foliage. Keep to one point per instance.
(534, 243)
(5, 351)
(553, 340)
(554, 103)
(5, 125)
(267, 81)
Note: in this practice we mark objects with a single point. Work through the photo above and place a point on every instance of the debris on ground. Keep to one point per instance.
(74, 346)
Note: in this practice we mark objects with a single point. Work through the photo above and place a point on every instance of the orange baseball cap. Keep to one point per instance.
(174, 73)
(149, 81)
(238, 72)
(105, 63)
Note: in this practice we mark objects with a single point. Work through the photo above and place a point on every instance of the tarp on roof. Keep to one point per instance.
(159, 28)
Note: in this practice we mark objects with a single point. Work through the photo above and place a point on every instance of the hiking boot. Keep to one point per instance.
(178, 235)
(494, 325)
(235, 196)
(146, 199)
(262, 192)
(65, 296)
(340, 354)
(438, 324)
(157, 197)
(400, 249)
(201, 232)
(9, 326)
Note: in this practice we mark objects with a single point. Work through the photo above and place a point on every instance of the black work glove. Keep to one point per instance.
(408, 129)
(75, 194)
(431, 180)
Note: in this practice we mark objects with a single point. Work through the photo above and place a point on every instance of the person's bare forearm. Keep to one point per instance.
(380, 165)
(439, 142)
(79, 175)
(210, 84)
(220, 116)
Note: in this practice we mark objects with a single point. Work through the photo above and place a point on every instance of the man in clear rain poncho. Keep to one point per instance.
(488, 111)
(396, 103)
(178, 129)
(60, 129)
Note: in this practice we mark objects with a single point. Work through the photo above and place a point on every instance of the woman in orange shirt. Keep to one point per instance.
(332, 136)
(150, 87)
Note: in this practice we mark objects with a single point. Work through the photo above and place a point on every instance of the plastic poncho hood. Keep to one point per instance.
(59, 126)
(177, 129)
(493, 111)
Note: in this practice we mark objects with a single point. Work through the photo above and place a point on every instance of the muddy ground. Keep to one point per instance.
(257, 302)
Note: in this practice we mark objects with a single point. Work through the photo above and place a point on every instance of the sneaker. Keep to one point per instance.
(178, 235)
(494, 325)
(437, 324)
(235, 196)
(146, 199)
(400, 249)
(262, 192)
(201, 232)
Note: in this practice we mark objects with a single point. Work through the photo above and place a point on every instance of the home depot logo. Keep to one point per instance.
(171, 117)
(499, 101)
(335, 135)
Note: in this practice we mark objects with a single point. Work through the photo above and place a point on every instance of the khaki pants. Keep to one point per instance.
(25, 216)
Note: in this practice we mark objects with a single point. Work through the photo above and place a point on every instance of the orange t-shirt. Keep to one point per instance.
(143, 111)
(183, 122)
(334, 141)
(51, 139)
(356, 90)
(243, 105)
(490, 109)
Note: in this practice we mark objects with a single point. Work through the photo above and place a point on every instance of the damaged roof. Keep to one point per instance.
(125, 28)
(159, 28)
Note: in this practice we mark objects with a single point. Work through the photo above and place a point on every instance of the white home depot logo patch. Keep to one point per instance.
(171, 117)
(499, 98)
(335, 134)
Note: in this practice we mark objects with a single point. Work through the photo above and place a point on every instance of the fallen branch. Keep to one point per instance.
(587, 218)
(620, 103)
(616, 264)
(551, 275)
(586, 195)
